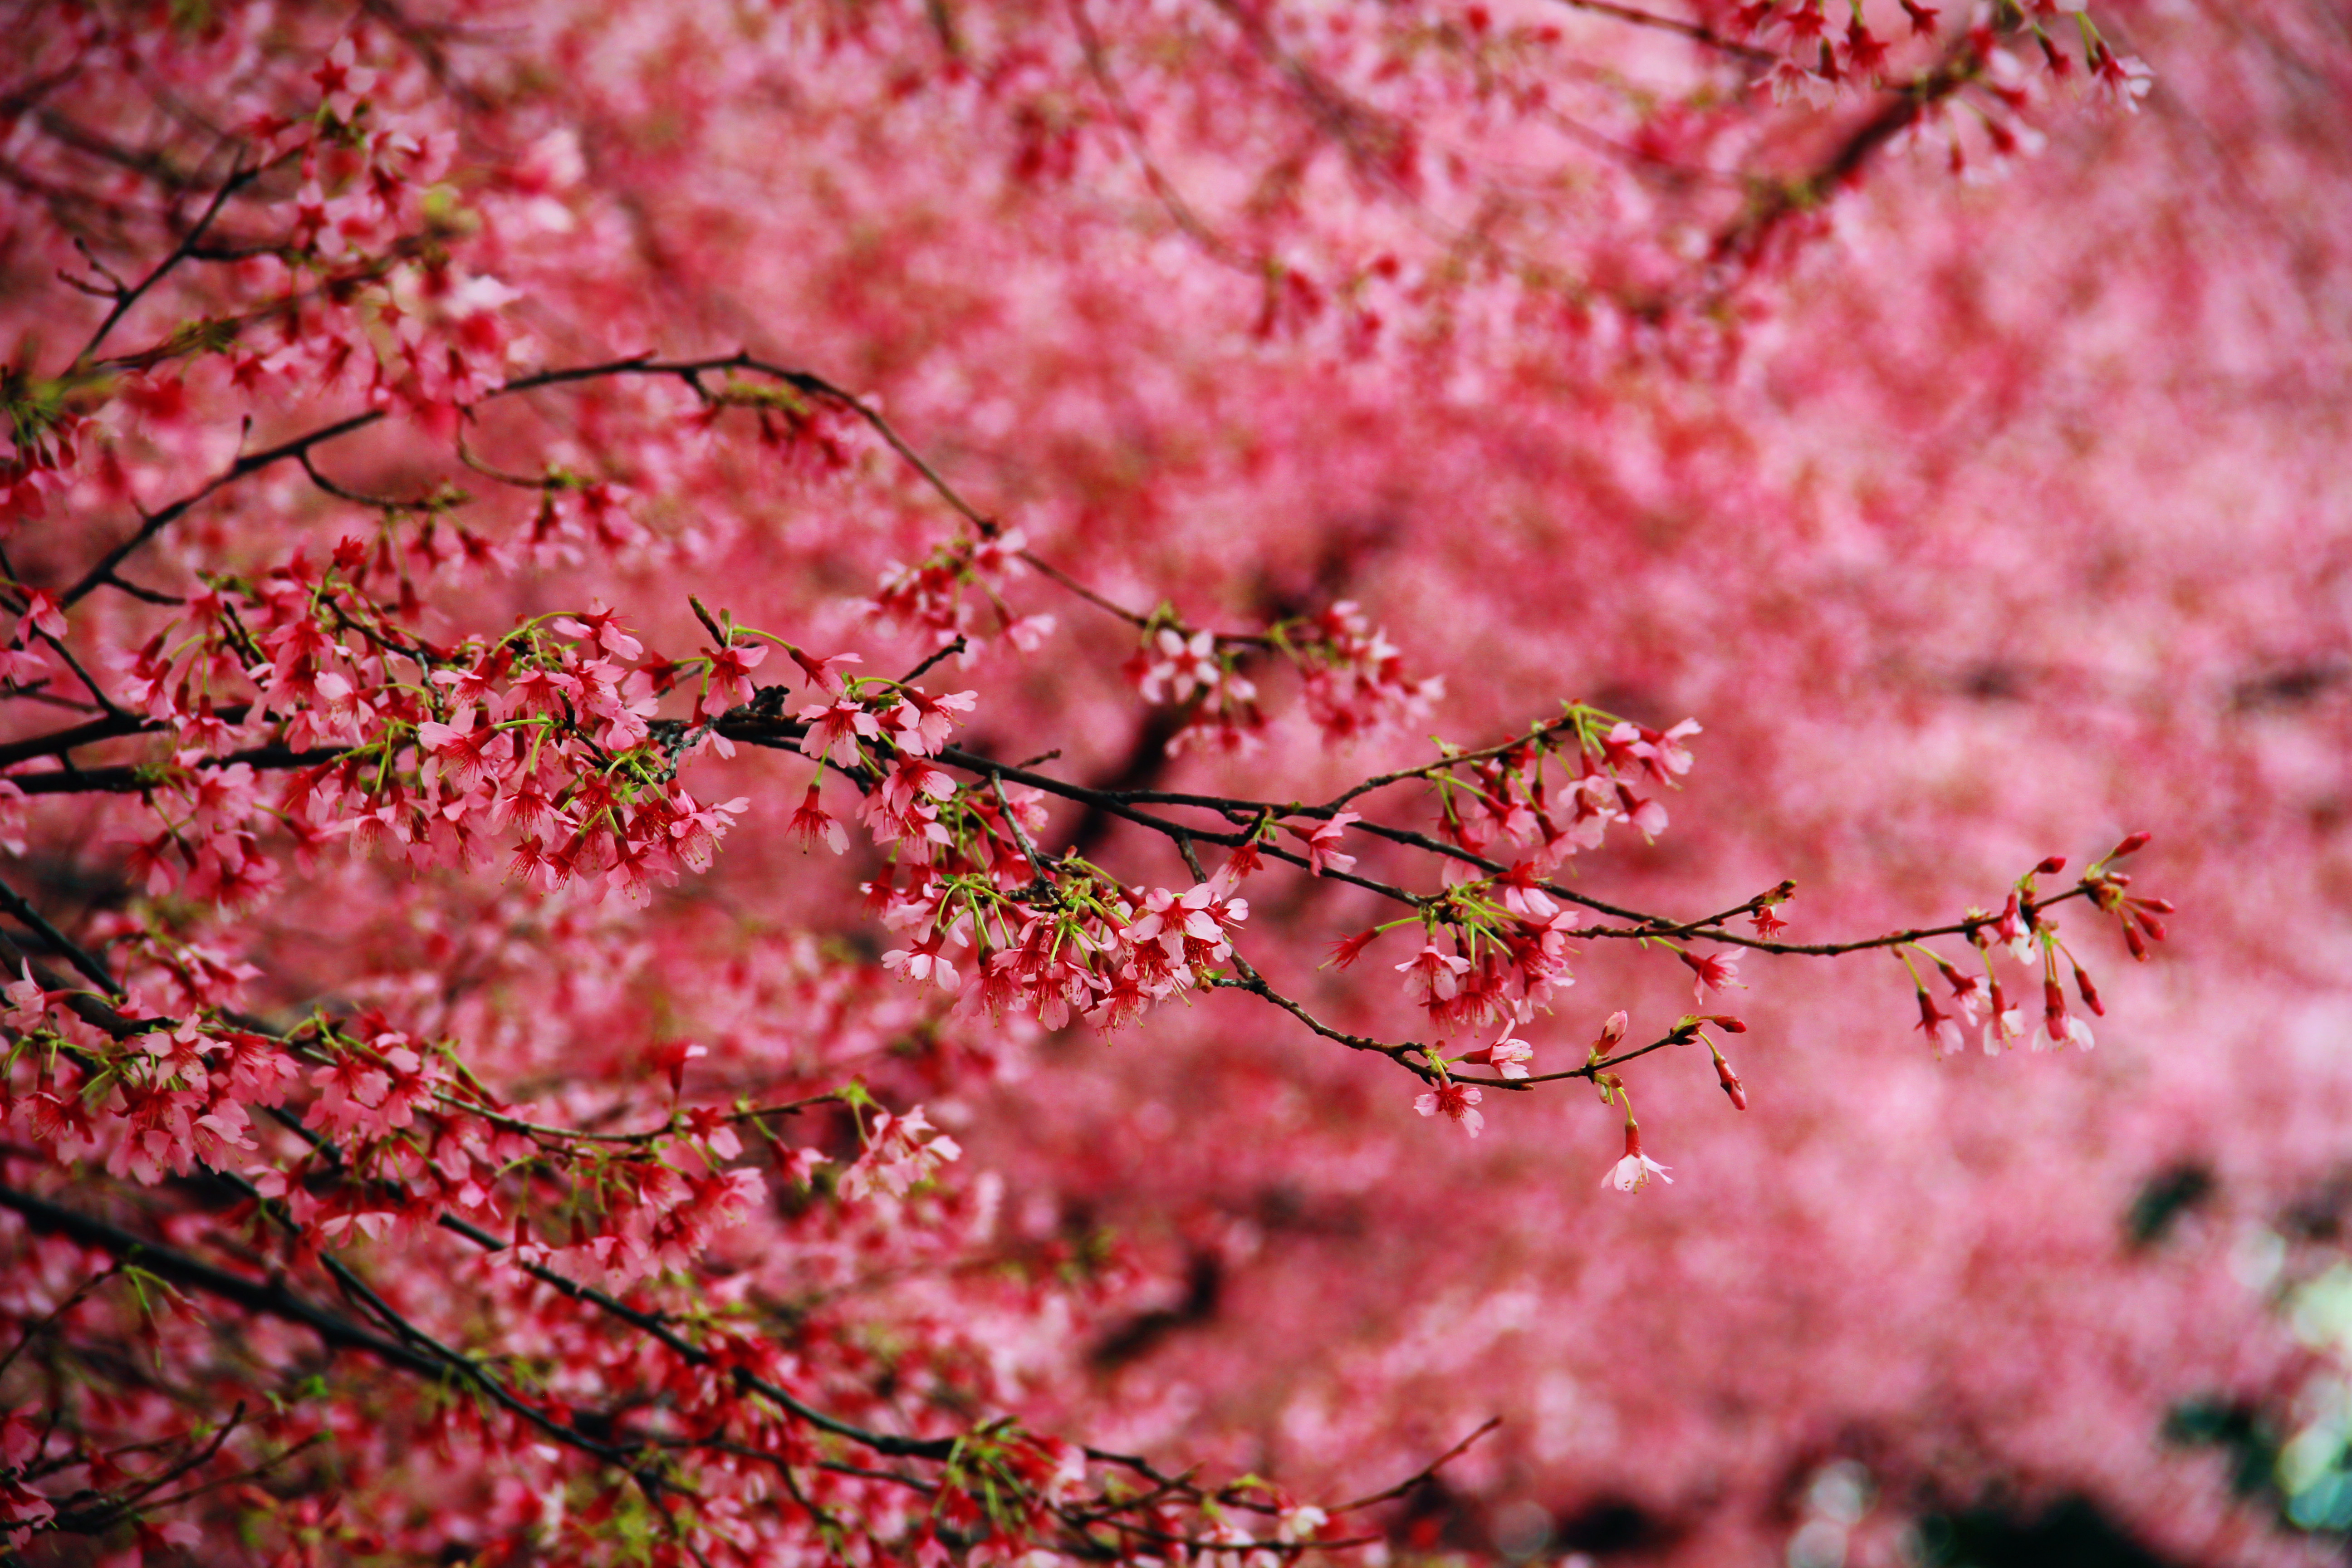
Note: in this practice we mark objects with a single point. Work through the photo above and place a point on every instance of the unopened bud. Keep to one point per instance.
(2149, 923)
(2134, 941)
(1727, 1024)
(2090, 993)
(2052, 866)
(2136, 841)
(1731, 1084)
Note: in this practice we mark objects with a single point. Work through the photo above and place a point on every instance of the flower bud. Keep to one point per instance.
(2052, 866)
(1727, 1024)
(2136, 841)
(2090, 994)
(1731, 1084)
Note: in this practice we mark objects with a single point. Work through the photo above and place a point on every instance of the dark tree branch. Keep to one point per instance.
(268, 1299)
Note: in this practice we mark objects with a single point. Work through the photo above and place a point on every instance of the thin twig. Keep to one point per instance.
(73, 951)
(1696, 32)
(1425, 1472)
(238, 177)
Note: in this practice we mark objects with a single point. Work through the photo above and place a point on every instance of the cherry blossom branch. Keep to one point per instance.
(202, 1277)
(107, 1511)
(277, 1301)
(742, 1117)
(146, 1503)
(1426, 1472)
(1697, 32)
(1644, 927)
(1745, 238)
(1417, 1057)
(15, 904)
(742, 725)
(408, 1337)
(126, 298)
(156, 522)
(270, 1299)
(56, 1314)
(127, 780)
(410, 1349)
(1255, 983)
(480, 1376)
(690, 372)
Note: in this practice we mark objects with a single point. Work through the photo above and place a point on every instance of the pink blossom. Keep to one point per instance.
(1648, 817)
(2059, 1028)
(835, 729)
(922, 721)
(1323, 856)
(1457, 1101)
(926, 960)
(1435, 975)
(1710, 972)
(1175, 665)
(1523, 893)
(1942, 1029)
(1581, 373)
(28, 1003)
(731, 674)
(821, 672)
(2120, 82)
(1029, 633)
(1633, 1173)
(41, 612)
(601, 626)
(1730, 1080)
(458, 750)
(811, 822)
(1507, 1056)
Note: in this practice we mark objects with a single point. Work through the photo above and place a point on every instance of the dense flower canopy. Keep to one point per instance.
(923, 780)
